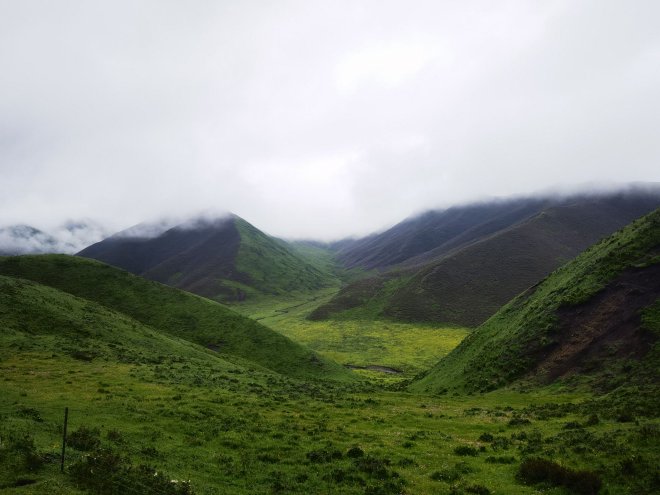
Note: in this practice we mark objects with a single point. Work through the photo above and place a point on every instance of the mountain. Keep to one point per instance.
(225, 259)
(167, 310)
(473, 272)
(69, 237)
(597, 318)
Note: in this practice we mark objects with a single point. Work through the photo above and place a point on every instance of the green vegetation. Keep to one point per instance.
(358, 342)
(172, 311)
(516, 341)
(463, 281)
(169, 393)
(274, 267)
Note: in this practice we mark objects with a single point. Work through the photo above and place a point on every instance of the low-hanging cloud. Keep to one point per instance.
(317, 119)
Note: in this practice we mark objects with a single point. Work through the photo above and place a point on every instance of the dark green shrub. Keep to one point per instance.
(478, 489)
(466, 450)
(84, 439)
(592, 420)
(21, 452)
(500, 443)
(446, 475)
(486, 437)
(533, 471)
(373, 466)
(625, 417)
(115, 436)
(323, 455)
(500, 459)
(105, 472)
(518, 421)
(355, 452)
(31, 413)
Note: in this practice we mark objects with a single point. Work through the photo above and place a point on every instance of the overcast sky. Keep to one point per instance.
(317, 118)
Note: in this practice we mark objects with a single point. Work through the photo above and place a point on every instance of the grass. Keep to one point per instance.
(173, 312)
(276, 268)
(173, 409)
(466, 284)
(503, 349)
(409, 348)
(230, 431)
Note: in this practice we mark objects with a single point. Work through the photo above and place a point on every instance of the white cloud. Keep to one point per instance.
(317, 118)
(387, 64)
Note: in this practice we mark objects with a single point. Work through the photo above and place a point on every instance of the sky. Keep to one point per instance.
(318, 119)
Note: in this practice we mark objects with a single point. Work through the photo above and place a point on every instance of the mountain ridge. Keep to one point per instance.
(466, 283)
(224, 259)
(598, 314)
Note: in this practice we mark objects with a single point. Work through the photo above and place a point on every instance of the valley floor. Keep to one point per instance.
(406, 347)
(230, 431)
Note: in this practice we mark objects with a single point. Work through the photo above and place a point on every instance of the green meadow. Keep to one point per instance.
(172, 394)
(406, 347)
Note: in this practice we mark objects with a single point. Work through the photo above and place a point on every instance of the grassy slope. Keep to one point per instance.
(232, 427)
(468, 283)
(499, 351)
(274, 267)
(172, 311)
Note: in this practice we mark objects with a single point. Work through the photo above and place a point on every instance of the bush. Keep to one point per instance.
(533, 471)
(500, 460)
(486, 437)
(518, 421)
(592, 420)
(105, 472)
(21, 452)
(323, 455)
(84, 439)
(478, 489)
(447, 475)
(466, 450)
(355, 452)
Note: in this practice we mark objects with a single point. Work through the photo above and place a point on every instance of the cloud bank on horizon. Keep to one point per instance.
(318, 119)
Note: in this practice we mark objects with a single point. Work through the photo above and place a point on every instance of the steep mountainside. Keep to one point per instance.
(440, 231)
(467, 284)
(226, 259)
(597, 316)
(171, 312)
(432, 234)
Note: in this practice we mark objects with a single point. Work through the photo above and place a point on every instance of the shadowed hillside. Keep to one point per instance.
(467, 284)
(225, 259)
(598, 315)
(172, 311)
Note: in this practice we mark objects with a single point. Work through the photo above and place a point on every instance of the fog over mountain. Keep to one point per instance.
(69, 237)
(345, 116)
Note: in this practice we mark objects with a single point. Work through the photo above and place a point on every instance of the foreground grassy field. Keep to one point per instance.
(232, 429)
(154, 412)
(408, 348)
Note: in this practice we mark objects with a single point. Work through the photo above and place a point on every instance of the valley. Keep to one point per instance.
(172, 392)
(406, 347)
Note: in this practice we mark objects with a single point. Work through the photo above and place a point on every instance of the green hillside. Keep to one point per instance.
(468, 284)
(276, 268)
(153, 413)
(172, 311)
(597, 316)
(225, 259)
